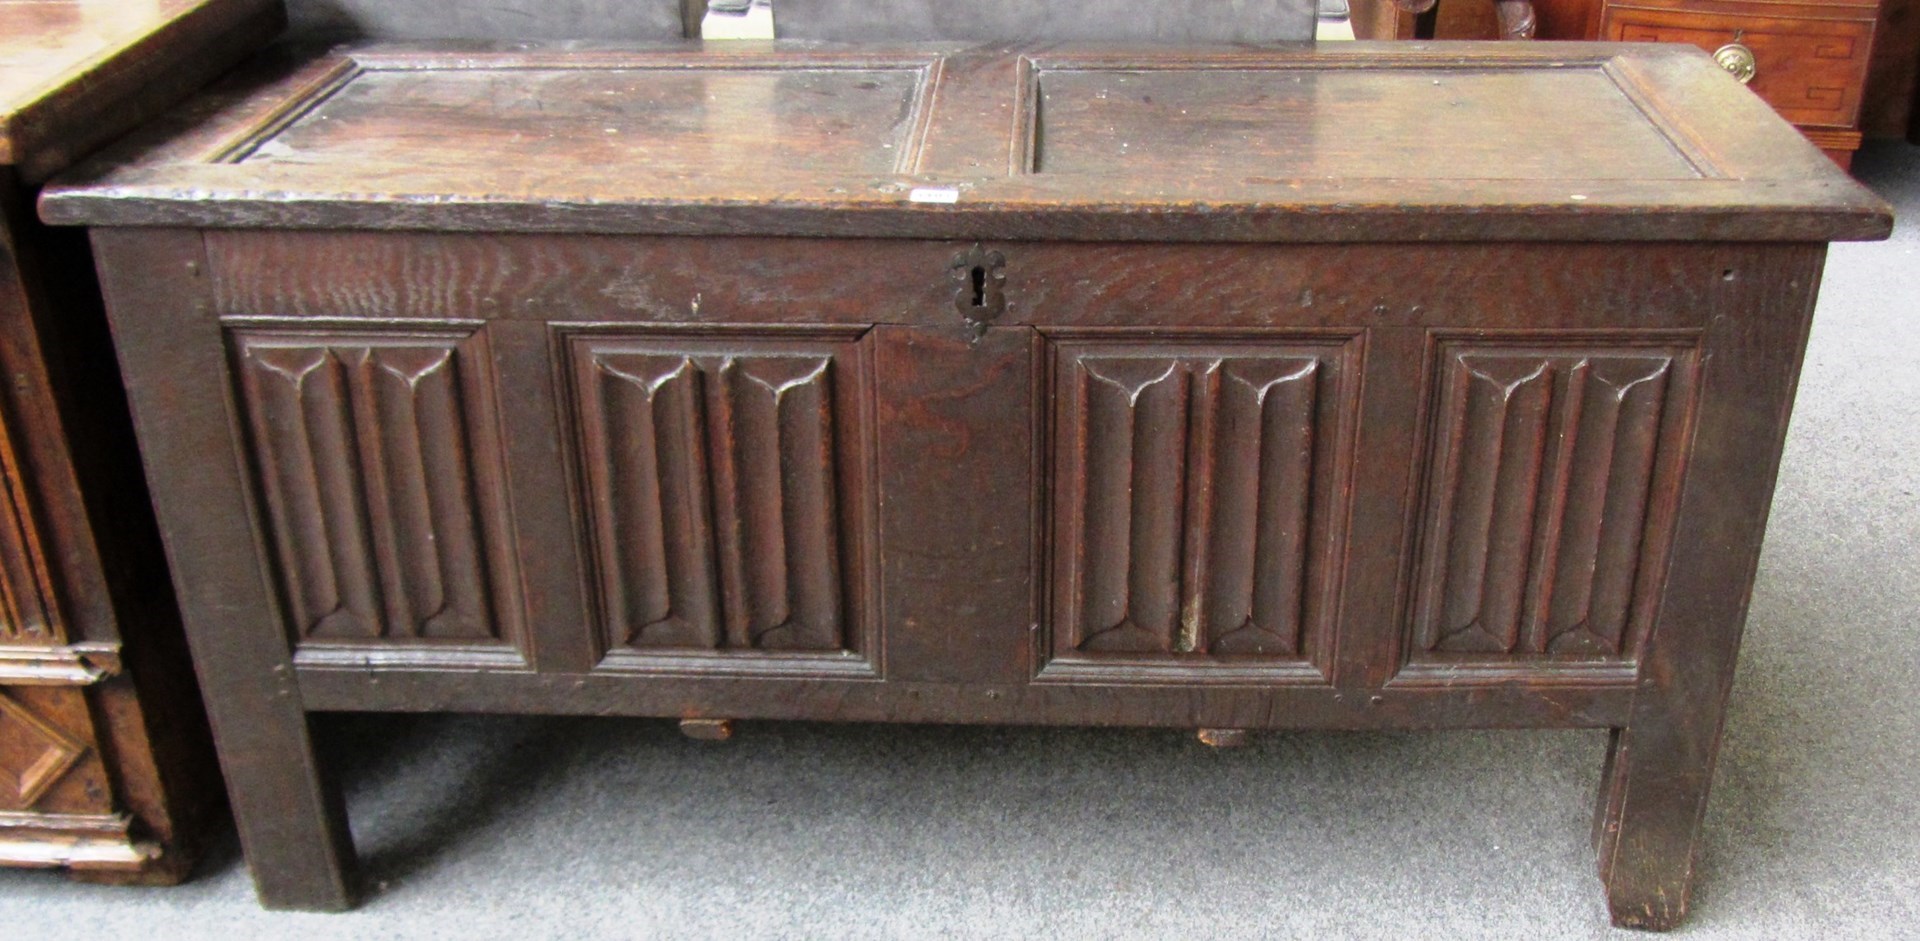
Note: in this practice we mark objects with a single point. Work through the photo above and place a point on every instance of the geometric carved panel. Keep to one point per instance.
(34, 755)
(1553, 483)
(723, 488)
(1196, 489)
(379, 466)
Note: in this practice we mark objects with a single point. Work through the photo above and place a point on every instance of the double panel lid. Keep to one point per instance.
(1353, 141)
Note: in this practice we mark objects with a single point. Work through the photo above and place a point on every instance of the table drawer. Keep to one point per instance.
(1811, 68)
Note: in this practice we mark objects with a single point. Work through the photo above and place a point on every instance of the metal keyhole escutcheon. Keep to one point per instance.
(981, 297)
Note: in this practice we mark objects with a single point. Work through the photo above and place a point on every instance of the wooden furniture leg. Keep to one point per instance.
(291, 819)
(1653, 794)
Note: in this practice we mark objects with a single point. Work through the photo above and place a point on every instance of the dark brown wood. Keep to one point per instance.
(1893, 75)
(1577, 20)
(1289, 421)
(1464, 19)
(106, 767)
(290, 818)
(296, 149)
(1913, 122)
(1659, 766)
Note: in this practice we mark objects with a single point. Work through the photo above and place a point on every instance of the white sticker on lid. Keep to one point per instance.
(941, 194)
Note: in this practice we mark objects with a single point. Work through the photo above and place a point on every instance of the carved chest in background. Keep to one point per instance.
(1205, 387)
(105, 762)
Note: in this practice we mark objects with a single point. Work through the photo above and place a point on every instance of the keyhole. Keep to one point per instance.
(982, 278)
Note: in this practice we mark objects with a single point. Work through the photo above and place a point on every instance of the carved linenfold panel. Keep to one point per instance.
(28, 614)
(379, 468)
(722, 488)
(1553, 473)
(1194, 487)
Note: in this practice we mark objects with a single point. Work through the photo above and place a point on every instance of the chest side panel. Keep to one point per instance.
(1518, 420)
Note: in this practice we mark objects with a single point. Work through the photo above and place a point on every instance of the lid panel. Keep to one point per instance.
(1293, 123)
(1335, 142)
(520, 127)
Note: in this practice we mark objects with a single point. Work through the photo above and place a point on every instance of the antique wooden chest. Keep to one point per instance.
(106, 767)
(1231, 388)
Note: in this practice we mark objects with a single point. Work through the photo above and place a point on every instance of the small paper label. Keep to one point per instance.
(944, 194)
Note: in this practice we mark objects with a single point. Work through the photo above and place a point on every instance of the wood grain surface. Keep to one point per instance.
(1295, 143)
(75, 74)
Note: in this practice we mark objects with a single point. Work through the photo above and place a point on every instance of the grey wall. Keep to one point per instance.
(1157, 20)
(486, 19)
(1142, 20)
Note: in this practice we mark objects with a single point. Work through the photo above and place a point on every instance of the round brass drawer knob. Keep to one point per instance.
(1738, 60)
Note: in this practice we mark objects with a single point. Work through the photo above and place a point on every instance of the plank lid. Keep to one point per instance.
(74, 73)
(1339, 142)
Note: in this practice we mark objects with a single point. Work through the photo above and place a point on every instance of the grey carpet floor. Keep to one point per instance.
(479, 828)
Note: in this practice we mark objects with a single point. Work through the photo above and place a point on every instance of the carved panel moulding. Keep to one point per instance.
(722, 488)
(80, 841)
(29, 613)
(1195, 487)
(1552, 480)
(72, 665)
(378, 462)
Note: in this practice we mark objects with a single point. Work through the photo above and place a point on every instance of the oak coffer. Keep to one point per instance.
(106, 766)
(1231, 388)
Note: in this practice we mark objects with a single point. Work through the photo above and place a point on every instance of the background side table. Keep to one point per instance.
(1808, 59)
